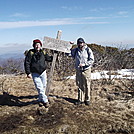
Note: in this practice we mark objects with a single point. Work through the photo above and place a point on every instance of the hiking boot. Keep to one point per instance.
(78, 102)
(40, 104)
(46, 105)
(87, 103)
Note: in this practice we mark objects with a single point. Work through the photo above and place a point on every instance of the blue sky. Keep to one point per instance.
(104, 22)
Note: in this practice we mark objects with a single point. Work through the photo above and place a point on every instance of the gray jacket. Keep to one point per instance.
(84, 56)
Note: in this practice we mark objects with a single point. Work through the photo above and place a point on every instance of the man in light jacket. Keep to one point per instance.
(84, 59)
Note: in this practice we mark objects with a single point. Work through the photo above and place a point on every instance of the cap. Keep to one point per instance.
(36, 41)
(80, 40)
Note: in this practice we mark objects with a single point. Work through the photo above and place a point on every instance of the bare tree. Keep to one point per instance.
(12, 66)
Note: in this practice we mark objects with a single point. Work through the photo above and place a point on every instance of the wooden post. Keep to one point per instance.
(50, 78)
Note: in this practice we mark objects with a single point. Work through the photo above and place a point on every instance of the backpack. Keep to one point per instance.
(44, 52)
(31, 52)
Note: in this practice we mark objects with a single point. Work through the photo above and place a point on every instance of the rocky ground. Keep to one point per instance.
(111, 110)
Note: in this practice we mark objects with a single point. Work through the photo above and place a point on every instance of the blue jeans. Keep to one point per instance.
(40, 82)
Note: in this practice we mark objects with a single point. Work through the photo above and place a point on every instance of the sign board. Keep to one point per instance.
(56, 44)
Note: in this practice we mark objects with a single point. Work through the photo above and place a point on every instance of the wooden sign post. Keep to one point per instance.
(58, 45)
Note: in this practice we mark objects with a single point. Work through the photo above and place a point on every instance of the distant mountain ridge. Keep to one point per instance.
(19, 53)
(11, 55)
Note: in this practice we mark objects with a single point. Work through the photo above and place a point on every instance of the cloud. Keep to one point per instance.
(18, 15)
(13, 48)
(71, 8)
(93, 18)
(122, 12)
(63, 21)
(12, 45)
(101, 9)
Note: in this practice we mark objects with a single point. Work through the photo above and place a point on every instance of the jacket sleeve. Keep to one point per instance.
(90, 60)
(27, 63)
(73, 52)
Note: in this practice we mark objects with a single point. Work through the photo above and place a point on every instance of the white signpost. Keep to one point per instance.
(58, 45)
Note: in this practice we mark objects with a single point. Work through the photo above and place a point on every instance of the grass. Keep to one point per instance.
(20, 111)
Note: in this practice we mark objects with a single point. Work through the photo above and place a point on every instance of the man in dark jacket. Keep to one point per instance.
(35, 68)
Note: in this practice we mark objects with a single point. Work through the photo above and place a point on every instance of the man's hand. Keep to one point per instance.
(71, 42)
(29, 76)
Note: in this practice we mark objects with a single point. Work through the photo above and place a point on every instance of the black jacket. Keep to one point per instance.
(35, 62)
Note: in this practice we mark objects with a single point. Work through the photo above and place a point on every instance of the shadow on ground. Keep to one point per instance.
(70, 100)
(11, 100)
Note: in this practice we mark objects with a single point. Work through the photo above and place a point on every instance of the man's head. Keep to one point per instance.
(37, 44)
(80, 43)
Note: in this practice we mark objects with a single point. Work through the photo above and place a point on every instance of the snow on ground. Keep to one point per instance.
(123, 73)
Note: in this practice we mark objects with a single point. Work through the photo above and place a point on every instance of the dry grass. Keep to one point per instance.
(111, 110)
